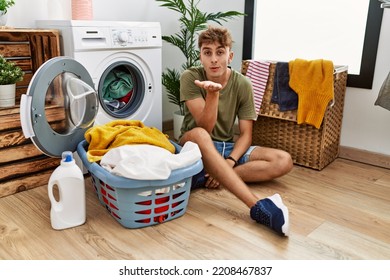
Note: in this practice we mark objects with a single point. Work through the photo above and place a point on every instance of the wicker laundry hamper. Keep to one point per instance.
(308, 146)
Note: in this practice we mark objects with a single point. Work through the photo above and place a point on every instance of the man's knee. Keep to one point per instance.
(197, 135)
(285, 162)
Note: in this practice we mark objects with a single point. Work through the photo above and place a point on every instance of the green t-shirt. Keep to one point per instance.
(236, 99)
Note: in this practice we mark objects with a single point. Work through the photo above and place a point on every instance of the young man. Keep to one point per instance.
(214, 95)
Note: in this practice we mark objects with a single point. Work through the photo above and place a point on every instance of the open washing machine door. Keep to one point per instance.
(59, 106)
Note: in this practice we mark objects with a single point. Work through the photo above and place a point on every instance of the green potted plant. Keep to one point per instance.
(191, 20)
(4, 5)
(10, 74)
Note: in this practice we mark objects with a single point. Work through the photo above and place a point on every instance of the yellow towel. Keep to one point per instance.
(123, 132)
(313, 82)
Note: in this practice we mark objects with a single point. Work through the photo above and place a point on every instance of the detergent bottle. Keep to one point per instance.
(68, 208)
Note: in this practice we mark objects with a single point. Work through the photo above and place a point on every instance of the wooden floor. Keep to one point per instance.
(341, 212)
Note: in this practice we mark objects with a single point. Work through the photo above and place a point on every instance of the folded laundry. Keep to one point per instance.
(282, 94)
(312, 80)
(102, 138)
(148, 162)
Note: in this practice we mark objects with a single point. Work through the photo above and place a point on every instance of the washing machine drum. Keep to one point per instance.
(121, 89)
(59, 106)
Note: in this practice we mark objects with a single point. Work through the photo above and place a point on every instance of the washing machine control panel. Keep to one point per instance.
(130, 37)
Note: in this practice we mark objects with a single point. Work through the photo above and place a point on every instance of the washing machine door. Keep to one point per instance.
(59, 106)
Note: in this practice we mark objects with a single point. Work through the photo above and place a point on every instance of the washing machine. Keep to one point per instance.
(66, 96)
(124, 61)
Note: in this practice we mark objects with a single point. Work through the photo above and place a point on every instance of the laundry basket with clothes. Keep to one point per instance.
(143, 201)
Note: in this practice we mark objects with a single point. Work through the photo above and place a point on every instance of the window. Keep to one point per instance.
(344, 31)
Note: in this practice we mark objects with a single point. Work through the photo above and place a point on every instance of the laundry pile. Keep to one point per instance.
(302, 85)
(130, 149)
(117, 89)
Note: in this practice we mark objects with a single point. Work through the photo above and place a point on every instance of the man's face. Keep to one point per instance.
(215, 58)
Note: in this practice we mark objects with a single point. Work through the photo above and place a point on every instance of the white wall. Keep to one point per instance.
(365, 126)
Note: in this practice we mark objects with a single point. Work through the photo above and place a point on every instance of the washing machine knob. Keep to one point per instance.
(123, 37)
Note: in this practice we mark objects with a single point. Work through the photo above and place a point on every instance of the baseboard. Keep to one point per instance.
(364, 156)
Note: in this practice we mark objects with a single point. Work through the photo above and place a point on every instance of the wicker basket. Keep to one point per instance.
(308, 146)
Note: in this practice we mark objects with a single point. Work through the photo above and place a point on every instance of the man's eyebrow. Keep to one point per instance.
(208, 48)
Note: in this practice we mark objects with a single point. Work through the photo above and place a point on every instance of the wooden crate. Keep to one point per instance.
(22, 165)
(308, 146)
(29, 49)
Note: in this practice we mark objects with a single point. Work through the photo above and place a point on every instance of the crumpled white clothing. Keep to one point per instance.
(148, 162)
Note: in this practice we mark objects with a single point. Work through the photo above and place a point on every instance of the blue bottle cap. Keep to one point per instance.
(67, 156)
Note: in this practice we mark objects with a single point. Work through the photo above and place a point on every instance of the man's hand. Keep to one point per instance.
(209, 86)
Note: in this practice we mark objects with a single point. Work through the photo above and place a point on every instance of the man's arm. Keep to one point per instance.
(205, 112)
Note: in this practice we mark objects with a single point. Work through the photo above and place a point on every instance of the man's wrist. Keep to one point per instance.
(232, 159)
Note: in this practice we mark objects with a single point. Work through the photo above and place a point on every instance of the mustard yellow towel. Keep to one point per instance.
(313, 82)
(102, 138)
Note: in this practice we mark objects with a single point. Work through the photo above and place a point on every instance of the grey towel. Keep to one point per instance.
(282, 94)
(383, 99)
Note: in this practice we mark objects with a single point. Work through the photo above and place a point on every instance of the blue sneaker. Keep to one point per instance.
(272, 213)
(198, 180)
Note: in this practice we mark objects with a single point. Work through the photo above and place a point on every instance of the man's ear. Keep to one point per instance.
(231, 55)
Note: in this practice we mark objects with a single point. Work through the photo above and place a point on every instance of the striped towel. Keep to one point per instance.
(258, 73)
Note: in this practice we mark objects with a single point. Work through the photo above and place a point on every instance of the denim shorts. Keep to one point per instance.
(225, 148)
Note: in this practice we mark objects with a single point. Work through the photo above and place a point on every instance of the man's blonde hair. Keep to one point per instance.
(215, 34)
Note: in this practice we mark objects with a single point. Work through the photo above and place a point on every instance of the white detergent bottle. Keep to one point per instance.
(69, 208)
